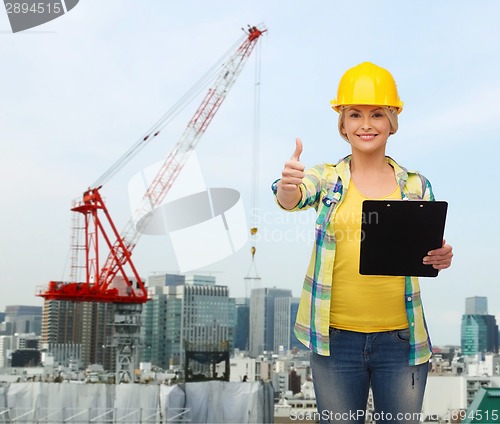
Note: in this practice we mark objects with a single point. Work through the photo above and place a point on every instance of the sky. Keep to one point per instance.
(78, 91)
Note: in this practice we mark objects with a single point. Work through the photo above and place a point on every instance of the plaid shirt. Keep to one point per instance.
(323, 188)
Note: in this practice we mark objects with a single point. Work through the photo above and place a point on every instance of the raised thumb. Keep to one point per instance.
(298, 150)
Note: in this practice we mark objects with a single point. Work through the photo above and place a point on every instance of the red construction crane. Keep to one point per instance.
(111, 282)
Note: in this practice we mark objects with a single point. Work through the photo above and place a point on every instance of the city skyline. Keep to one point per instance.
(30, 317)
(81, 89)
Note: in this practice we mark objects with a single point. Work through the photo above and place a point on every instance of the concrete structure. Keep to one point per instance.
(65, 354)
(483, 365)
(241, 366)
(19, 349)
(25, 341)
(291, 372)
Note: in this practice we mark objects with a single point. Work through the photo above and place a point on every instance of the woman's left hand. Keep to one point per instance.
(439, 258)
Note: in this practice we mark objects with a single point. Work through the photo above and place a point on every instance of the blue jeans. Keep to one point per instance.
(360, 360)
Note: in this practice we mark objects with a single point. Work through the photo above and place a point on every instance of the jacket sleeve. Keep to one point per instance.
(427, 193)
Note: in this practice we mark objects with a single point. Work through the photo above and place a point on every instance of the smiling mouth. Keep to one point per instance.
(367, 137)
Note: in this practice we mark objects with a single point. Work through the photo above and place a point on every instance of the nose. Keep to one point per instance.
(366, 124)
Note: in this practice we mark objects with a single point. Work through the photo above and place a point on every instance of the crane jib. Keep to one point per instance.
(113, 282)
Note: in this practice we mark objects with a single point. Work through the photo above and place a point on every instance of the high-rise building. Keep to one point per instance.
(186, 310)
(16, 320)
(262, 318)
(242, 326)
(474, 332)
(5, 349)
(82, 326)
(162, 280)
(154, 327)
(285, 314)
(22, 319)
(492, 343)
(477, 305)
(294, 342)
(479, 331)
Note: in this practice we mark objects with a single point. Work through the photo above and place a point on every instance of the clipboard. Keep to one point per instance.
(397, 234)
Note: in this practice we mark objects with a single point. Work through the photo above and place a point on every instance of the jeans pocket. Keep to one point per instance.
(403, 335)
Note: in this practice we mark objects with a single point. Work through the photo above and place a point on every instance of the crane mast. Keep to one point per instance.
(111, 283)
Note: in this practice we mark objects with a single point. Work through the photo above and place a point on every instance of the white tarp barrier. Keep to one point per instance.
(3, 406)
(45, 402)
(134, 402)
(27, 399)
(172, 402)
(203, 402)
(83, 400)
(222, 402)
(197, 401)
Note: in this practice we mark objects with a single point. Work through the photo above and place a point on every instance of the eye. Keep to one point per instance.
(378, 115)
(354, 115)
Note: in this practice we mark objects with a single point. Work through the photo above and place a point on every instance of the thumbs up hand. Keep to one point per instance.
(291, 177)
(293, 172)
(298, 149)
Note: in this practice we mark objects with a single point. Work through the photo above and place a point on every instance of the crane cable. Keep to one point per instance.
(168, 117)
(255, 165)
(253, 275)
(150, 135)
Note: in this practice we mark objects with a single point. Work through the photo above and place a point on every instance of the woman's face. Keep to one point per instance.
(367, 127)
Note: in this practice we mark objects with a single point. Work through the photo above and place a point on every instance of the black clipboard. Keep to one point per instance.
(397, 234)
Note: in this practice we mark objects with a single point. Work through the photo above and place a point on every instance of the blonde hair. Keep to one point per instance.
(391, 113)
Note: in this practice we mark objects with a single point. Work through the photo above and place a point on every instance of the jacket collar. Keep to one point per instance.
(344, 171)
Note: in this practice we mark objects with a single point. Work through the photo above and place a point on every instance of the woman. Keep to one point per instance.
(364, 331)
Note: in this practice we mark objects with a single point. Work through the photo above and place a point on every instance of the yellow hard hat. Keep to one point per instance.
(367, 84)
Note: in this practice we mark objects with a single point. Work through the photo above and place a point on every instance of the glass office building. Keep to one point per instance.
(189, 309)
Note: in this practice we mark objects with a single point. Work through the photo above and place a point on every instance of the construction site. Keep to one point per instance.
(95, 316)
